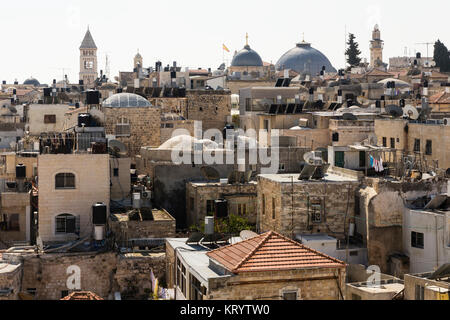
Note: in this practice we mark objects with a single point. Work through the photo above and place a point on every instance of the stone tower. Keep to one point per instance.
(376, 49)
(138, 61)
(88, 60)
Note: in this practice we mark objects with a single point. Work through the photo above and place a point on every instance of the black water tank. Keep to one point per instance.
(99, 213)
(221, 208)
(92, 97)
(21, 171)
(84, 119)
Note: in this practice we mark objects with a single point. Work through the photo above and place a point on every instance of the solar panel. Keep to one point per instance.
(286, 82)
(282, 109)
(195, 237)
(290, 108)
(273, 109)
(279, 82)
(299, 107)
(307, 172)
(332, 106)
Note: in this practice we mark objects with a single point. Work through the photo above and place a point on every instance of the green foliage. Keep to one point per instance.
(236, 120)
(233, 224)
(352, 51)
(441, 56)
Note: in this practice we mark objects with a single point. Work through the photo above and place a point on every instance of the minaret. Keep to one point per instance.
(88, 60)
(376, 48)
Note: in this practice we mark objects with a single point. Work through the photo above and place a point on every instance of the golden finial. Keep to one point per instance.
(246, 39)
(303, 36)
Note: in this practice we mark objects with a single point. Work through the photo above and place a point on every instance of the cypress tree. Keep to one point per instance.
(441, 56)
(353, 52)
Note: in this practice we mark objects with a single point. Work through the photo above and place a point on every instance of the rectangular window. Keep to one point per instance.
(116, 172)
(420, 292)
(290, 295)
(335, 137)
(384, 142)
(263, 204)
(197, 290)
(316, 211)
(183, 280)
(242, 209)
(248, 104)
(417, 240)
(14, 222)
(65, 224)
(429, 148)
(210, 207)
(273, 208)
(65, 181)
(49, 118)
(362, 159)
(416, 145)
(392, 143)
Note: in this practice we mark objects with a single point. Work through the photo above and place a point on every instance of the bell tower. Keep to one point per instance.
(376, 48)
(88, 60)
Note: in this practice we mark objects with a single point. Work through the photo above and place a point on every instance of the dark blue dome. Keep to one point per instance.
(304, 58)
(247, 57)
(32, 81)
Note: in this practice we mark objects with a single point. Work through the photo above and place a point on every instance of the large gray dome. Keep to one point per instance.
(304, 58)
(247, 57)
(126, 100)
(32, 82)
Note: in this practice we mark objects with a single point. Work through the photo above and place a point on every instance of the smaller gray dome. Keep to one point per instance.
(247, 57)
(126, 100)
(32, 81)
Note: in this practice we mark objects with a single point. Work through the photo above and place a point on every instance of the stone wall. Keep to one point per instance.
(335, 198)
(310, 284)
(15, 203)
(210, 107)
(145, 124)
(10, 278)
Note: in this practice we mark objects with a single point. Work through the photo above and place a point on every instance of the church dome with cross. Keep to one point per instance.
(247, 57)
(304, 58)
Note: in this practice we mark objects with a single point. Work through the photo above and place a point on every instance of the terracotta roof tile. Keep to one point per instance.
(271, 251)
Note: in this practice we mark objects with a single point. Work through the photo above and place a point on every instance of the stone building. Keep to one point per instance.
(69, 185)
(428, 285)
(383, 290)
(426, 145)
(133, 121)
(120, 178)
(291, 206)
(247, 64)
(46, 118)
(253, 269)
(15, 217)
(201, 196)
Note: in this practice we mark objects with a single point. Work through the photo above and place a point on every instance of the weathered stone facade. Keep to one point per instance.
(144, 124)
(287, 207)
(310, 284)
(211, 107)
(16, 203)
(10, 280)
(238, 196)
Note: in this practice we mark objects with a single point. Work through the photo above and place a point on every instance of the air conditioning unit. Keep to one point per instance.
(446, 121)
(146, 195)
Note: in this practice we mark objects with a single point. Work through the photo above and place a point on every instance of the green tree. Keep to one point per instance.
(441, 56)
(352, 51)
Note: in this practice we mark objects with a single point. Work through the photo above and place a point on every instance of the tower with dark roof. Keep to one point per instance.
(88, 60)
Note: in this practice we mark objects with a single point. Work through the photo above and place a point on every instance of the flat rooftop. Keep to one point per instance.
(157, 215)
(218, 184)
(287, 178)
(385, 286)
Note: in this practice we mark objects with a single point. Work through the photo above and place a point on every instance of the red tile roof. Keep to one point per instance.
(269, 252)
(440, 98)
(82, 295)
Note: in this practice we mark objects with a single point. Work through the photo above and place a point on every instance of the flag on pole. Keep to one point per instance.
(225, 48)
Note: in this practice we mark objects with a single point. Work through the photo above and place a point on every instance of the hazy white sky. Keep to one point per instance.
(39, 38)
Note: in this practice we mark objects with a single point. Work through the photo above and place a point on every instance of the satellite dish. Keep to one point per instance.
(394, 111)
(313, 159)
(410, 112)
(210, 173)
(349, 116)
(247, 234)
(117, 148)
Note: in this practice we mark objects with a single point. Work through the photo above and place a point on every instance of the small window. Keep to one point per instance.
(242, 209)
(273, 208)
(417, 240)
(362, 159)
(49, 118)
(263, 204)
(335, 137)
(392, 143)
(290, 295)
(123, 128)
(65, 181)
(384, 142)
(316, 211)
(116, 172)
(429, 148)
(416, 145)
(66, 223)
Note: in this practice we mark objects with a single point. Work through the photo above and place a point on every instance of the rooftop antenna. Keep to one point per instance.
(427, 44)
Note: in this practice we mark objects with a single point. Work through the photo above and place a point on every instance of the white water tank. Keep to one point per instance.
(99, 233)
(209, 225)
(136, 200)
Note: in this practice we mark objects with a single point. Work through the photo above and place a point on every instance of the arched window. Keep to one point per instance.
(123, 127)
(66, 223)
(65, 181)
